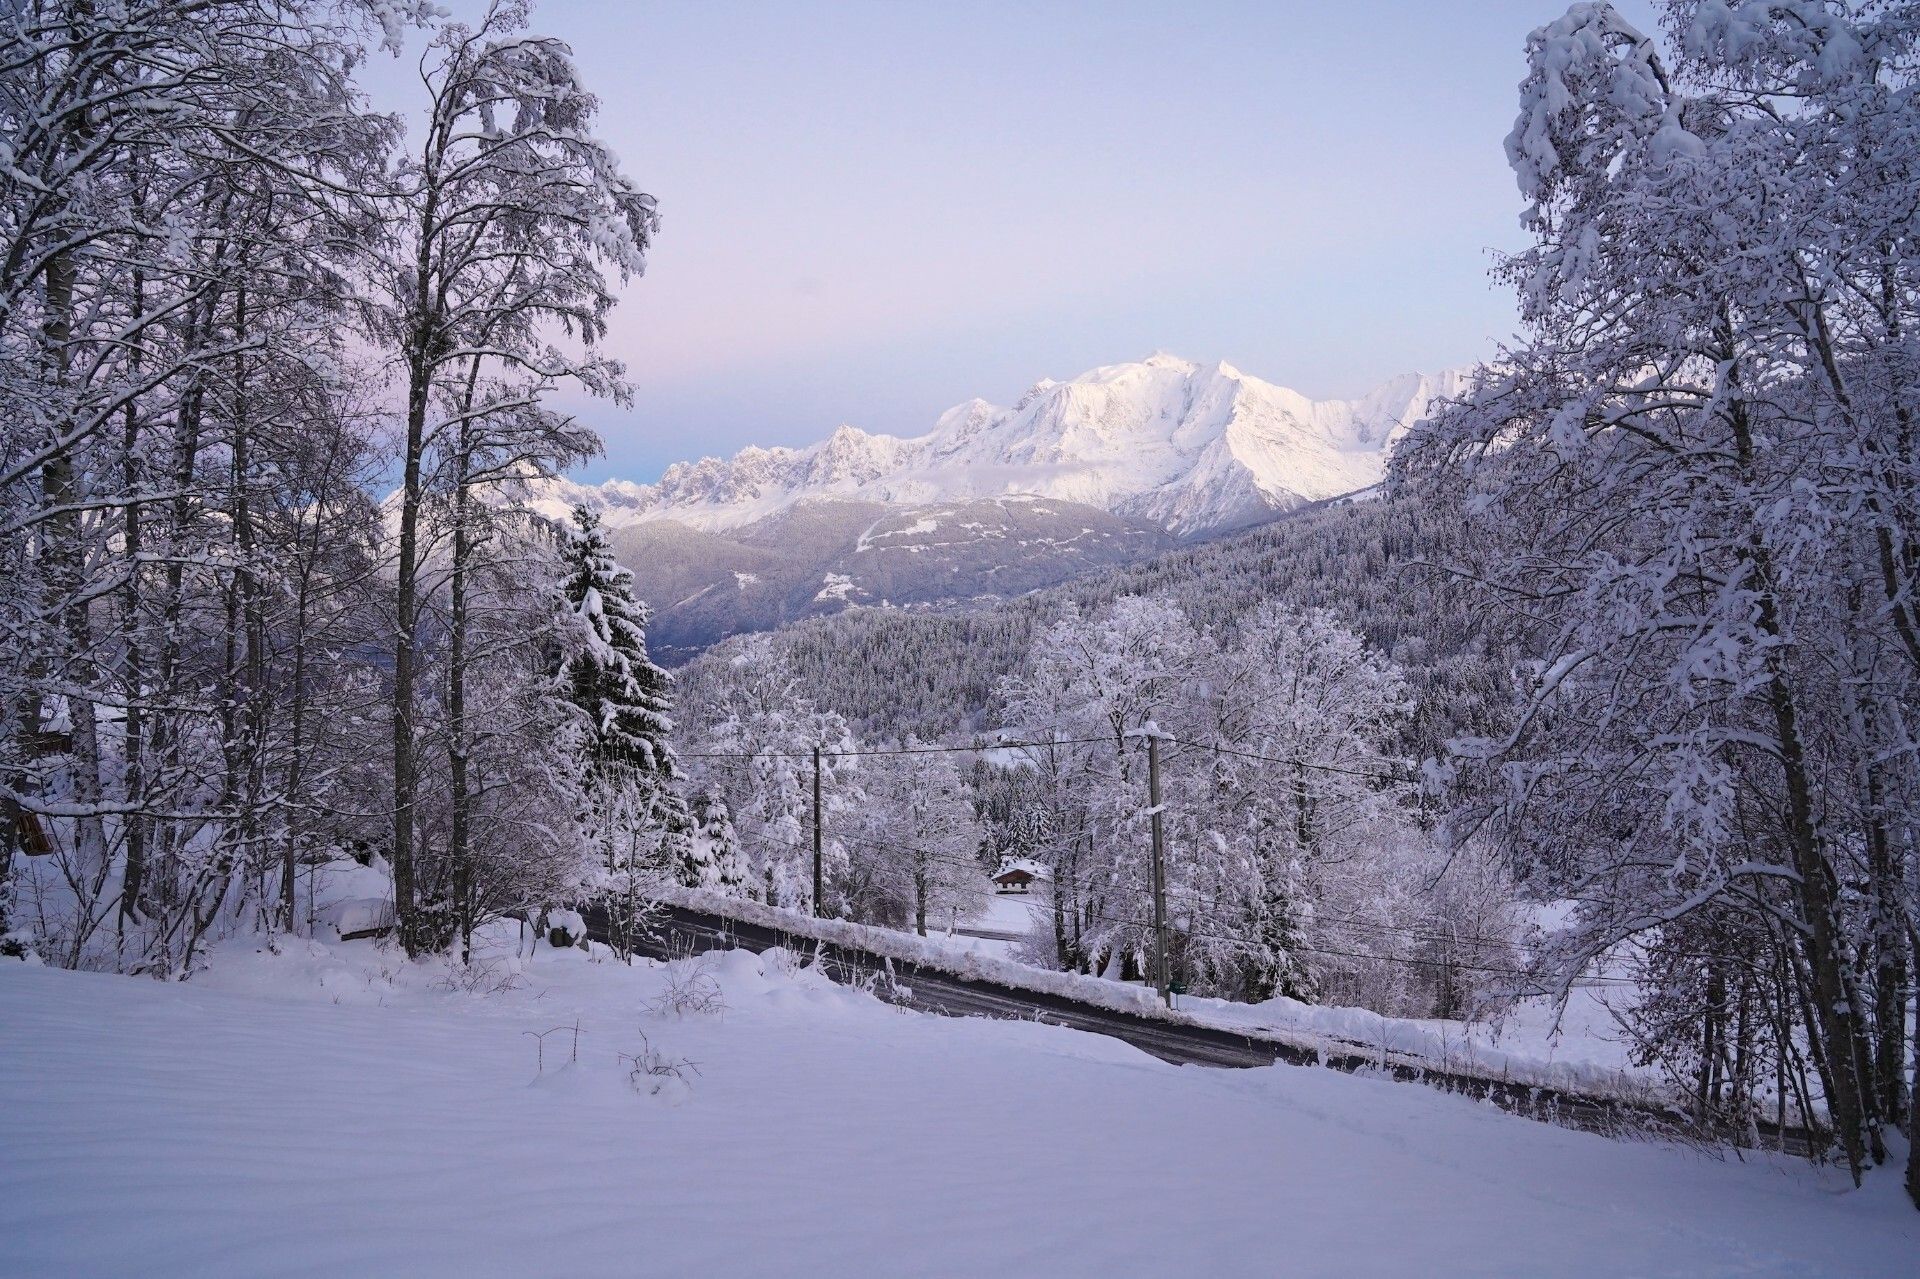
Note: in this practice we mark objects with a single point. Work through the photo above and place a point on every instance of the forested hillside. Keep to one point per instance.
(894, 672)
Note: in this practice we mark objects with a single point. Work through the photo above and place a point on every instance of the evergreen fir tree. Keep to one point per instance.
(711, 859)
(679, 834)
(627, 700)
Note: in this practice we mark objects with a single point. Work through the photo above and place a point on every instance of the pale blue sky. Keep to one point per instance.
(875, 210)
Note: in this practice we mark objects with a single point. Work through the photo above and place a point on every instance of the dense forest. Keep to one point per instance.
(239, 305)
(1377, 564)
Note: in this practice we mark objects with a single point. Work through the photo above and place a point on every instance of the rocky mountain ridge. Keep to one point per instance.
(1103, 470)
(1197, 449)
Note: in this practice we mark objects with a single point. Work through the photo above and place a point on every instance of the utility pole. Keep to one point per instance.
(1159, 868)
(818, 908)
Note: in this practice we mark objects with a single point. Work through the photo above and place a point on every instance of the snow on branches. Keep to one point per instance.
(1694, 495)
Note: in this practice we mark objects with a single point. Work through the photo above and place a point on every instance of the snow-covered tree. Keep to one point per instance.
(530, 812)
(916, 843)
(626, 698)
(712, 857)
(759, 733)
(626, 703)
(1304, 713)
(508, 214)
(1090, 687)
(1691, 495)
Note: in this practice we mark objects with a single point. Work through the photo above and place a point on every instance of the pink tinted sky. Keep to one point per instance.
(875, 210)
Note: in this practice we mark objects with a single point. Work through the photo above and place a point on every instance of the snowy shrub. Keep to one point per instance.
(782, 962)
(566, 929)
(690, 989)
(658, 1075)
(491, 976)
(568, 1035)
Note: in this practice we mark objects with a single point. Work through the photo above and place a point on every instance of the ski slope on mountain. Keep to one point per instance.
(1193, 448)
(335, 1110)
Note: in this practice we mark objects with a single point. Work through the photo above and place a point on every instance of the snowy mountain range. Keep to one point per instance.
(1105, 468)
(1194, 448)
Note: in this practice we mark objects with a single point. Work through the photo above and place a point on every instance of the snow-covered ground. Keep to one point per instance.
(333, 1110)
(1004, 913)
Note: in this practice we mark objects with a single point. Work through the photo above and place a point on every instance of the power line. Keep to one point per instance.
(1285, 763)
(988, 746)
(978, 747)
(1032, 744)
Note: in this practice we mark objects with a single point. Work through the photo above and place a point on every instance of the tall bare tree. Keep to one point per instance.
(510, 214)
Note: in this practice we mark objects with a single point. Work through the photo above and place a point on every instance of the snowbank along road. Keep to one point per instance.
(679, 931)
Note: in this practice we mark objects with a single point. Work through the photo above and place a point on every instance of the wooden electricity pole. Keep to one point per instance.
(818, 894)
(1160, 973)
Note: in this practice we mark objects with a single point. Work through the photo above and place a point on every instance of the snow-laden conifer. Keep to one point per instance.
(626, 704)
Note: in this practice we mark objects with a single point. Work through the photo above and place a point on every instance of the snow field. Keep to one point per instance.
(335, 1110)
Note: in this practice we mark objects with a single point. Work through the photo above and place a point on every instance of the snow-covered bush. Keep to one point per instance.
(654, 1073)
(689, 989)
(566, 929)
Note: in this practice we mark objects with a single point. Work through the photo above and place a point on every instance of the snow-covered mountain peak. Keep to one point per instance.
(1196, 448)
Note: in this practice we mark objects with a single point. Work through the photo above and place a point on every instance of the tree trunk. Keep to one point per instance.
(296, 746)
(1891, 984)
(132, 780)
(250, 689)
(1913, 1110)
(405, 782)
(1835, 1008)
(1850, 1099)
(458, 851)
